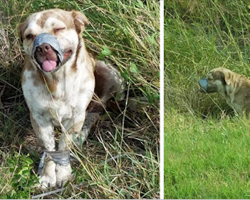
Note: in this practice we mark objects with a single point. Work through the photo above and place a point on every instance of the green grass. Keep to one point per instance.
(206, 144)
(206, 159)
(125, 32)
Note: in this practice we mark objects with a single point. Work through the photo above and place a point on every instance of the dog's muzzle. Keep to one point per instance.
(203, 84)
(47, 38)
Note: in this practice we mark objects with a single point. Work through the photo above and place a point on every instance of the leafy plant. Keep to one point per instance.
(22, 178)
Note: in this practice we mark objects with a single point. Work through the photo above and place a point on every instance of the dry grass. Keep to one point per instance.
(121, 157)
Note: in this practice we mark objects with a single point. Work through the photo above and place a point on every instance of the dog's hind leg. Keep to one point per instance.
(80, 137)
(108, 83)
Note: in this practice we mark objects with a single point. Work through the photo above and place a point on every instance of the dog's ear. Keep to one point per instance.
(228, 77)
(80, 20)
(20, 29)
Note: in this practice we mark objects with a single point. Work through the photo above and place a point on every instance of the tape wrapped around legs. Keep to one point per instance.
(59, 157)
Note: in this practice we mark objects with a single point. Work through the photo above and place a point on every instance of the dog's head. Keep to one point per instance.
(51, 37)
(217, 80)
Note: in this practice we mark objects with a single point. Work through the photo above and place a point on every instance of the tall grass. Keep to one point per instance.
(206, 145)
(206, 160)
(121, 158)
(199, 36)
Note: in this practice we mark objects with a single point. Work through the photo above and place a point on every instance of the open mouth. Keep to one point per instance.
(48, 54)
(66, 55)
(51, 62)
(49, 65)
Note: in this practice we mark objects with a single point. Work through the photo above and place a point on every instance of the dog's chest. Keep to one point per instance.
(58, 110)
(60, 105)
(66, 101)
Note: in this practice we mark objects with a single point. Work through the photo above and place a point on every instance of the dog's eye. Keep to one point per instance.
(56, 30)
(30, 37)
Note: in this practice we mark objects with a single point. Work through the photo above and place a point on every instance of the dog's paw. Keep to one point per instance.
(63, 174)
(47, 181)
(48, 176)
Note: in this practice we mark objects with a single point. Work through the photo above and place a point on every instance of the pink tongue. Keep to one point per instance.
(49, 65)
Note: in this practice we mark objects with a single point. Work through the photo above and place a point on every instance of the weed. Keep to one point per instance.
(21, 181)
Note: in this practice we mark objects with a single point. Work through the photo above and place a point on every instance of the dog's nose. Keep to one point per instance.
(44, 48)
(45, 43)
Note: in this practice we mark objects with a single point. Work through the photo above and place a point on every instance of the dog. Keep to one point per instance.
(59, 80)
(233, 87)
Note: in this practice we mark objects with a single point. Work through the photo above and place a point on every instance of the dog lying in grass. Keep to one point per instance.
(233, 87)
(59, 80)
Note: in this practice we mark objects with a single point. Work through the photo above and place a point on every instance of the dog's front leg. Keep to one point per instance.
(45, 133)
(71, 128)
(72, 132)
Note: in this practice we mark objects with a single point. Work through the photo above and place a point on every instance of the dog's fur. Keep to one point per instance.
(233, 87)
(60, 99)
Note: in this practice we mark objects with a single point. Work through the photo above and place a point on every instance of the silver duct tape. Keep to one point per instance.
(41, 163)
(203, 84)
(59, 157)
(48, 39)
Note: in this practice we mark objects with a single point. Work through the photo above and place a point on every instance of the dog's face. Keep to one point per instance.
(64, 29)
(215, 81)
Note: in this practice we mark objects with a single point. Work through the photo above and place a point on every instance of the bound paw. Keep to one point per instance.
(63, 174)
(47, 178)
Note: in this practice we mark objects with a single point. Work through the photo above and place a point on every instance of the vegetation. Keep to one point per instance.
(121, 157)
(206, 143)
